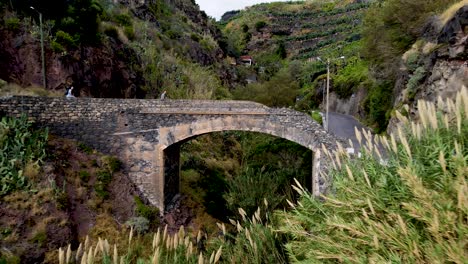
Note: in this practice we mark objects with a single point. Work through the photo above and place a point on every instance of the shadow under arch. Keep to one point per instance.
(171, 139)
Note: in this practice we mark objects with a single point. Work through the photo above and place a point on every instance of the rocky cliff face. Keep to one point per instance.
(103, 70)
(434, 67)
(113, 67)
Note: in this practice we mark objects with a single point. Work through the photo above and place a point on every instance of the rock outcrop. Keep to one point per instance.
(441, 67)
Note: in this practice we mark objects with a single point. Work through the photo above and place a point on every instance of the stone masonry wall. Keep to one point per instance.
(140, 132)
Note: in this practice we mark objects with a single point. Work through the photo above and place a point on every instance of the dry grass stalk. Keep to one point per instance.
(130, 236)
(350, 173)
(239, 227)
(290, 204)
(358, 135)
(61, 256)
(199, 235)
(422, 113)
(338, 160)
(364, 213)
(375, 239)
(366, 177)
(442, 162)
(90, 259)
(401, 117)
(164, 235)
(393, 141)
(156, 238)
(247, 234)
(403, 140)
(68, 255)
(190, 248)
(350, 142)
(156, 254)
(168, 242)
(242, 213)
(84, 259)
(446, 121)
(181, 231)
(212, 257)
(116, 255)
(218, 254)
(86, 244)
(369, 202)
(257, 214)
(78, 252)
(402, 225)
(200, 258)
(175, 241)
(95, 251)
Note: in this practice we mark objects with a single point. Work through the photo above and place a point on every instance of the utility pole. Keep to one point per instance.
(42, 49)
(328, 93)
(328, 89)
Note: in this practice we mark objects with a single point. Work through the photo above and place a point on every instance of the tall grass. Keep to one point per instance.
(250, 240)
(409, 205)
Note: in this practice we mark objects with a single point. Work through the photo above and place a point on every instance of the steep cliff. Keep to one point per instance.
(137, 45)
(435, 66)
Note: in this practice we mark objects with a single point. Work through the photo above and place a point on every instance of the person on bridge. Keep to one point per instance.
(163, 95)
(69, 93)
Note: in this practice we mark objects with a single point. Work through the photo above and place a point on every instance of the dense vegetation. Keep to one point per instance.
(22, 153)
(246, 190)
(410, 206)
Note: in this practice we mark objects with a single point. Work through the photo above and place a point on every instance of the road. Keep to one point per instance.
(343, 126)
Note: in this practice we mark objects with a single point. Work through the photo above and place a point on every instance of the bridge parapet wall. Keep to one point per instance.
(140, 131)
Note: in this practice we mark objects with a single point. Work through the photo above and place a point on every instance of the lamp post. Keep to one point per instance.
(42, 48)
(328, 89)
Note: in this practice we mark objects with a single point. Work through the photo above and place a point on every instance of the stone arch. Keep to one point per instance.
(170, 139)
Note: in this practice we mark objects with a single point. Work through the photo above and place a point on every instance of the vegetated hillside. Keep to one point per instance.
(110, 48)
(394, 53)
(297, 30)
(286, 39)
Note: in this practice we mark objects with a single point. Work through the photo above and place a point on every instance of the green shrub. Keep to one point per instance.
(111, 163)
(409, 208)
(13, 23)
(20, 145)
(103, 179)
(123, 20)
(64, 39)
(112, 32)
(195, 37)
(244, 192)
(317, 117)
(39, 238)
(104, 176)
(139, 224)
(57, 47)
(84, 175)
(259, 25)
(172, 34)
(245, 28)
(378, 105)
(416, 78)
(350, 78)
(412, 61)
(85, 148)
(149, 212)
(129, 32)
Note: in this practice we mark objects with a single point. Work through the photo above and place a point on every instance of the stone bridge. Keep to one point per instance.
(146, 134)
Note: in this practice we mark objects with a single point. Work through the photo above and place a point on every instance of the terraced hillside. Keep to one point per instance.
(300, 30)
